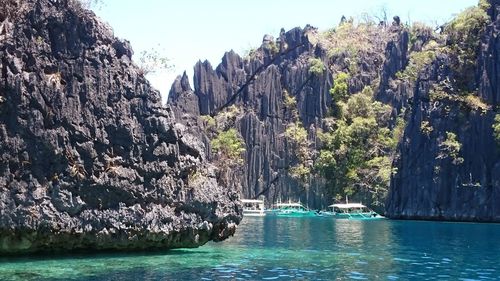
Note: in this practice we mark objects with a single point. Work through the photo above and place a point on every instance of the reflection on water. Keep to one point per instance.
(274, 248)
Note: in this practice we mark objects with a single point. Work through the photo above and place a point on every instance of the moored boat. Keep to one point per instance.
(253, 208)
(292, 209)
(351, 211)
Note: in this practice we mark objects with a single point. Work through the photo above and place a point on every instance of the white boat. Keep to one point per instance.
(253, 208)
(292, 209)
(352, 211)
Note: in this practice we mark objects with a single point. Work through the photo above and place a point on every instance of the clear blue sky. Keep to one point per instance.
(192, 30)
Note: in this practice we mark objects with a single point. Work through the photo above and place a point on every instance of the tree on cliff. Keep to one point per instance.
(228, 147)
(356, 153)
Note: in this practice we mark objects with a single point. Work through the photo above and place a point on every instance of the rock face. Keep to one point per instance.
(90, 159)
(428, 186)
(258, 84)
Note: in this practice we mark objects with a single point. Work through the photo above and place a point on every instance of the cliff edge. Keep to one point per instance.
(449, 161)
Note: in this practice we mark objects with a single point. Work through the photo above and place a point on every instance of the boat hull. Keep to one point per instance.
(294, 214)
(358, 216)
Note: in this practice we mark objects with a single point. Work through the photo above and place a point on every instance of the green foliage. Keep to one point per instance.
(467, 26)
(476, 103)
(437, 93)
(398, 130)
(418, 61)
(152, 60)
(352, 65)
(289, 101)
(382, 113)
(273, 48)
(359, 105)
(250, 53)
(196, 178)
(468, 101)
(496, 128)
(349, 39)
(426, 128)
(464, 38)
(300, 172)
(229, 146)
(209, 121)
(231, 112)
(419, 30)
(227, 118)
(340, 90)
(356, 153)
(362, 128)
(367, 91)
(450, 148)
(296, 133)
(326, 160)
(484, 5)
(316, 66)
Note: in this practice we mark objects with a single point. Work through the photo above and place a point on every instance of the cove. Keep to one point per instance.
(273, 248)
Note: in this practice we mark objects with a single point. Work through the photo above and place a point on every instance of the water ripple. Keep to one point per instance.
(287, 249)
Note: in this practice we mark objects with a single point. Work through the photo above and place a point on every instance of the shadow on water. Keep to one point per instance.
(273, 248)
(86, 265)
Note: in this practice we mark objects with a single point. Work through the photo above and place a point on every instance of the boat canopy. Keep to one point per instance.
(290, 205)
(347, 206)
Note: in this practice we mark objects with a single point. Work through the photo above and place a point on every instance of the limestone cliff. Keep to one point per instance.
(259, 84)
(442, 84)
(90, 159)
(431, 184)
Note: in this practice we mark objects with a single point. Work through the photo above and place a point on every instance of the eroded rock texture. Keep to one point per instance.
(429, 186)
(257, 85)
(90, 159)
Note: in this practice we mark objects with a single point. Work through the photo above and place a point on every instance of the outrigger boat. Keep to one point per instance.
(253, 208)
(351, 211)
(292, 209)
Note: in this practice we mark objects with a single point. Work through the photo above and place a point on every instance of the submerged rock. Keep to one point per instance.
(90, 159)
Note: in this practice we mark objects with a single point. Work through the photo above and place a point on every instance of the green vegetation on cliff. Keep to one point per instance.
(229, 146)
(358, 142)
(356, 153)
(496, 128)
(226, 143)
(327, 115)
(450, 148)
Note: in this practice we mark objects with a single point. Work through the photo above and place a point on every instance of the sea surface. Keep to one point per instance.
(274, 248)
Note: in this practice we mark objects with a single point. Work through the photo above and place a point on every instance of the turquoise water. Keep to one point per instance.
(274, 248)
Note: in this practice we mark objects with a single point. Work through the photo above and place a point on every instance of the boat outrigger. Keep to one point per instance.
(352, 211)
(253, 208)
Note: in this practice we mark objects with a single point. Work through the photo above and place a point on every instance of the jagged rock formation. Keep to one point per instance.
(258, 85)
(429, 186)
(90, 159)
(447, 165)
